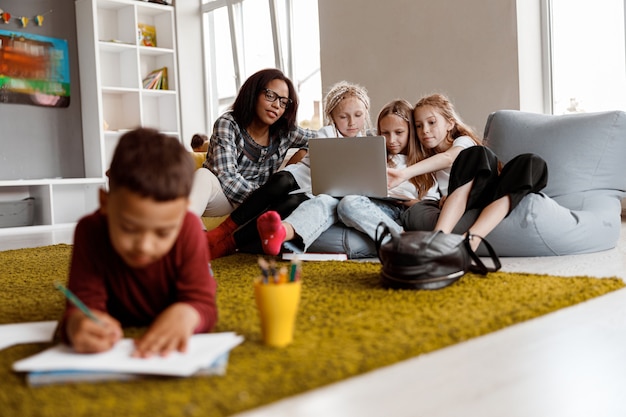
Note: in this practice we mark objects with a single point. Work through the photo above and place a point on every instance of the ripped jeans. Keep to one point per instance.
(312, 218)
(364, 214)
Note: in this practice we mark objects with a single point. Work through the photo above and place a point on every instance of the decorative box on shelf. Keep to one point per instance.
(17, 213)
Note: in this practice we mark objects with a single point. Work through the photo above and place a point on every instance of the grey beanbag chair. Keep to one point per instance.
(579, 211)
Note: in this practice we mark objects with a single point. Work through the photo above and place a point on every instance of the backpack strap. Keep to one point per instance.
(478, 266)
(382, 231)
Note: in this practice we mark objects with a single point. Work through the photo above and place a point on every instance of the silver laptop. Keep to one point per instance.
(346, 166)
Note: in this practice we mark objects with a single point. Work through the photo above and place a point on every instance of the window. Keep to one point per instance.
(244, 36)
(587, 55)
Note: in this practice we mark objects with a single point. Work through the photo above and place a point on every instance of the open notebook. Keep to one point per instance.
(204, 352)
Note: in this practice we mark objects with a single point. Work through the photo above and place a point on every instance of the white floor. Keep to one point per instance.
(566, 364)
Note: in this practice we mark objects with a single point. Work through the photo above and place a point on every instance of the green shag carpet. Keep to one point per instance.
(347, 325)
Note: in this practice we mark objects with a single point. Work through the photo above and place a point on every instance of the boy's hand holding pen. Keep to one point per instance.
(88, 336)
(90, 331)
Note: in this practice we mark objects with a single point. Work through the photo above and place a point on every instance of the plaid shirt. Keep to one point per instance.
(241, 164)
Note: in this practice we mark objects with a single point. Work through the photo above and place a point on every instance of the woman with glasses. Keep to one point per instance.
(346, 114)
(248, 144)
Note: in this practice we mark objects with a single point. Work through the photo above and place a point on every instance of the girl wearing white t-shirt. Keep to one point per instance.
(442, 136)
(395, 123)
(477, 191)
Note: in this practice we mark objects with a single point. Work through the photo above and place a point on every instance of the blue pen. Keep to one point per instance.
(76, 301)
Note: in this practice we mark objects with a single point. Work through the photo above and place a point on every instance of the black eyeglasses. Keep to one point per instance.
(271, 96)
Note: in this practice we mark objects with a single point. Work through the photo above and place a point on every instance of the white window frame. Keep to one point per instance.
(283, 61)
(546, 43)
(547, 53)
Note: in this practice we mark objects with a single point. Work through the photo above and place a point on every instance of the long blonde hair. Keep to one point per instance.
(340, 91)
(404, 110)
(444, 107)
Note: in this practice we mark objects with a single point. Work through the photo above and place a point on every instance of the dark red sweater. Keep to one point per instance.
(135, 297)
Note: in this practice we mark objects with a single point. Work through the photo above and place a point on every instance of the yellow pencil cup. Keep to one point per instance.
(277, 305)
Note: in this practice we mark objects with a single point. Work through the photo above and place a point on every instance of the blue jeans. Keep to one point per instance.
(364, 214)
(312, 218)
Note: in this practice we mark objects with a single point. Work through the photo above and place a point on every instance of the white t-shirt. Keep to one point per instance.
(443, 176)
(407, 189)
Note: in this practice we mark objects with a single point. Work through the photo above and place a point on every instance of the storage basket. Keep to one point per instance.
(17, 213)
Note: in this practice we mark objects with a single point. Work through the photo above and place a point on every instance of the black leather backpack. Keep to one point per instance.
(428, 260)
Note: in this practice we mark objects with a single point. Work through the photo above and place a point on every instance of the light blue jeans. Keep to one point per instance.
(310, 219)
(364, 214)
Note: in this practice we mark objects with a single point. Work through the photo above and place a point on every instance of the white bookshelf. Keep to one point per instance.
(57, 201)
(113, 62)
(112, 65)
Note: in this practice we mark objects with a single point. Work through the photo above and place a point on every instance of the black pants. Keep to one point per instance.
(522, 175)
(273, 195)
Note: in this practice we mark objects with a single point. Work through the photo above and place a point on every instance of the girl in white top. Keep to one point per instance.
(470, 177)
(348, 115)
(442, 136)
(338, 123)
(395, 123)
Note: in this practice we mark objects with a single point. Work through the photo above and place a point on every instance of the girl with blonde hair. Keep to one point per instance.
(478, 192)
(337, 123)
(395, 123)
(442, 136)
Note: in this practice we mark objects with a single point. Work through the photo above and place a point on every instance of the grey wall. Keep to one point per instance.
(407, 48)
(42, 142)
(396, 48)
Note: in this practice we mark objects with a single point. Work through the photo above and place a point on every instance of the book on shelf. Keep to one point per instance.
(156, 80)
(146, 34)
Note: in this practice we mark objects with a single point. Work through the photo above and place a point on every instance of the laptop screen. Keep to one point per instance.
(349, 166)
